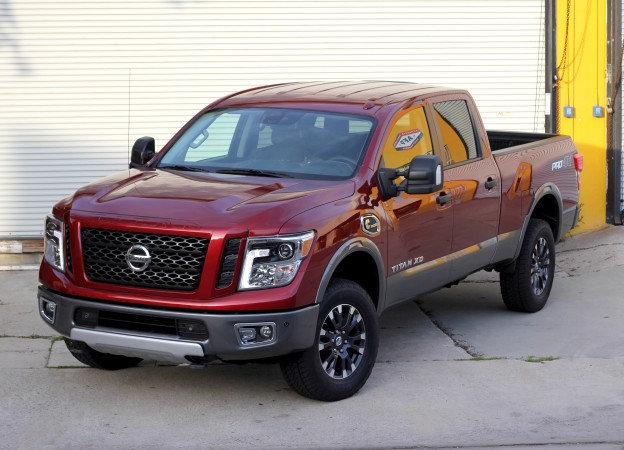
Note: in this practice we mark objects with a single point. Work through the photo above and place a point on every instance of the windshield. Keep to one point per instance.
(272, 142)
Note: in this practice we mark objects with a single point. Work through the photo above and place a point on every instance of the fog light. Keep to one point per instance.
(266, 332)
(253, 334)
(47, 308)
(247, 335)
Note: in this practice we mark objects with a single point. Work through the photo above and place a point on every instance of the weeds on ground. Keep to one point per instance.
(541, 359)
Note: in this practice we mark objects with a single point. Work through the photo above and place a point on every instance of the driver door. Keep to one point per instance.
(419, 226)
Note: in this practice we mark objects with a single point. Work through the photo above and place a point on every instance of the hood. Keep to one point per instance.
(215, 201)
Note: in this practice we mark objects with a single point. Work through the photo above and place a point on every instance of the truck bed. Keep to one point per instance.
(504, 140)
(528, 162)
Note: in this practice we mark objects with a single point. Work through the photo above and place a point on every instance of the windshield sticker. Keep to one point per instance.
(408, 139)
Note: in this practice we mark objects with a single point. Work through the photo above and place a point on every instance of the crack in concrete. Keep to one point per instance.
(33, 336)
(52, 342)
(460, 344)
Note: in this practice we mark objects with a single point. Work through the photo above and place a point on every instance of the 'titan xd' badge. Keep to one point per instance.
(408, 139)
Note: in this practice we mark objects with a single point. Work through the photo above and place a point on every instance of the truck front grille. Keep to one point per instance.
(169, 262)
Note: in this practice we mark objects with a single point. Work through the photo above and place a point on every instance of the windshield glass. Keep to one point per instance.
(272, 142)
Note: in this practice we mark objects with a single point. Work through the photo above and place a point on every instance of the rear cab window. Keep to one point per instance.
(458, 143)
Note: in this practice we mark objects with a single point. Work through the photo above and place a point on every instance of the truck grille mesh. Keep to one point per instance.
(176, 261)
(228, 263)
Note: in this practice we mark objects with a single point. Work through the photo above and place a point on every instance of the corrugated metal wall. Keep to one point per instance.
(80, 81)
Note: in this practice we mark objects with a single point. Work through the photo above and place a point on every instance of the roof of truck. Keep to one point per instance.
(368, 94)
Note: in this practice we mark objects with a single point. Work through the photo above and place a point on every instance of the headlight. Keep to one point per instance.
(54, 239)
(273, 261)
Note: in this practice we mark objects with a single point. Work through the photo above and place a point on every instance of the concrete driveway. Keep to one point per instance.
(455, 369)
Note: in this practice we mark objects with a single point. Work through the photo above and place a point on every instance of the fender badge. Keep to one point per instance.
(370, 224)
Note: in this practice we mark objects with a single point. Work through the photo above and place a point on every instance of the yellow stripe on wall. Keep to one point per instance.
(582, 84)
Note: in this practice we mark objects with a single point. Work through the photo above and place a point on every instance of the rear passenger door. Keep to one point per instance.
(472, 178)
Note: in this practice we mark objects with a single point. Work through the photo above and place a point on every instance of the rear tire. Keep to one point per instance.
(345, 349)
(86, 355)
(527, 288)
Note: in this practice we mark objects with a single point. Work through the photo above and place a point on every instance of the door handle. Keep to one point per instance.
(490, 183)
(443, 198)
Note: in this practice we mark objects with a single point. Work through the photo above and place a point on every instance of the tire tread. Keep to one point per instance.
(516, 294)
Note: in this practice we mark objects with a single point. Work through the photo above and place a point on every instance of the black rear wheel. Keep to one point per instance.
(526, 289)
(345, 348)
(98, 360)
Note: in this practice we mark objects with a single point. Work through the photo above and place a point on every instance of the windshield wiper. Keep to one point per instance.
(183, 167)
(256, 172)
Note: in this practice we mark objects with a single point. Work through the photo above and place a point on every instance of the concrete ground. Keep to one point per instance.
(455, 369)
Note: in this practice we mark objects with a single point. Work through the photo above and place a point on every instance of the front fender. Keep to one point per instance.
(358, 244)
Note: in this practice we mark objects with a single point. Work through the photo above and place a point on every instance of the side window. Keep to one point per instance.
(457, 132)
(214, 140)
(408, 137)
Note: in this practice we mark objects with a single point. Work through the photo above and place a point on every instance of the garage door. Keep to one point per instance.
(80, 81)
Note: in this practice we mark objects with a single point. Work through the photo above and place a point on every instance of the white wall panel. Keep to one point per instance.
(80, 81)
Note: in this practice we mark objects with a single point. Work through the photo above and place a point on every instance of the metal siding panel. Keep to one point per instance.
(79, 81)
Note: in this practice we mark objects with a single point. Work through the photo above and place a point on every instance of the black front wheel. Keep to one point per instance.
(345, 348)
(526, 289)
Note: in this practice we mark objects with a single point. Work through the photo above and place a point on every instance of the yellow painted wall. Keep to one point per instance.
(582, 69)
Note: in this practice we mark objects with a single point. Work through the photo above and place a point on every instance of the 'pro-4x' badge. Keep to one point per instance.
(407, 139)
(370, 224)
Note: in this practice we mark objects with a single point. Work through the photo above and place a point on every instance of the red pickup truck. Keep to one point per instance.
(281, 221)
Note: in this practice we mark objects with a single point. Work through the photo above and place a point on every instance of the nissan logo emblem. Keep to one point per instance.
(138, 258)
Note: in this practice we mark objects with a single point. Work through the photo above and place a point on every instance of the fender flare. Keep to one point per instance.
(359, 244)
(543, 191)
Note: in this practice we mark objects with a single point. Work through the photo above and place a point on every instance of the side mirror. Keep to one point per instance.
(424, 176)
(143, 150)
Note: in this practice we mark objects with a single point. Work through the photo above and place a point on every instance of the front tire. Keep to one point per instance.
(98, 360)
(527, 288)
(345, 348)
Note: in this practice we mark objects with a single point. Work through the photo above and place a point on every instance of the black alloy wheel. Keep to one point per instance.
(342, 341)
(540, 267)
(344, 350)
